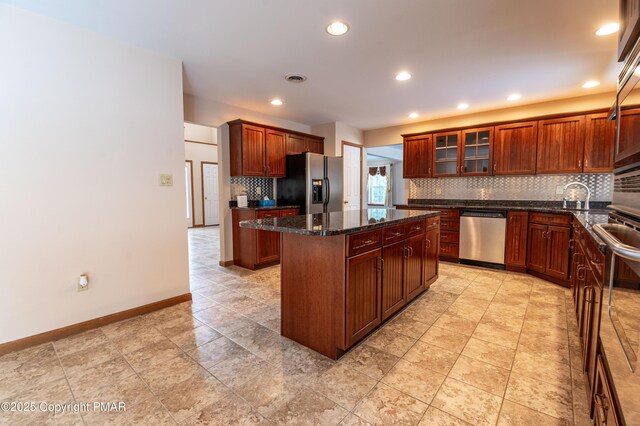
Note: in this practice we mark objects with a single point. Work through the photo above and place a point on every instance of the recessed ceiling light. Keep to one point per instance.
(514, 97)
(413, 115)
(591, 84)
(463, 106)
(337, 28)
(402, 76)
(608, 29)
(276, 102)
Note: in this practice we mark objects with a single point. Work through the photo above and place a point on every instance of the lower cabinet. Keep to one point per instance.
(267, 242)
(548, 246)
(432, 251)
(516, 245)
(364, 279)
(393, 288)
(604, 412)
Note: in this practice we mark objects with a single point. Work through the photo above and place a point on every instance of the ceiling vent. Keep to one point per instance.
(295, 78)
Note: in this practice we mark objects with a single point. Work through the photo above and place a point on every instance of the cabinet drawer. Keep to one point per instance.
(415, 228)
(394, 233)
(288, 212)
(551, 219)
(604, 406)
(593, 257)
(432, 222)
(448, 249)
(264, 214)
(449, 213)
(450, 225)
(364, 241)
(450, 237)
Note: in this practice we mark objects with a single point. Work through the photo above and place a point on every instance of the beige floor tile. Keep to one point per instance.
(309, 407)
(467, 402)
(230, 410)
(407, 326)
(370, 361)
(435, 417)
(422, 313)
(79, 342)
(239, 368)
(553, 400)
(175, 371)
(431, 357)
(215, 351)
(513, 414)
(544, 348)
(490, 353)
(222, 320)
(456, 323)
(481, 375)
(135, 340)
(344, 385)
(353, 420)
(89, 357)
(191, 339)
(387, 406)
(188, 398)
(552, 372)
(413, 380)
(445, 339)
(499, 336)
(153, 355)
(391, 342)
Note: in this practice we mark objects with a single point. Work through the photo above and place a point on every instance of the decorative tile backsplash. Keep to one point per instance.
(538, 187)
(241, 185)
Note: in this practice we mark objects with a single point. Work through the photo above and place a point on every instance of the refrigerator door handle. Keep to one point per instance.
(327, 193)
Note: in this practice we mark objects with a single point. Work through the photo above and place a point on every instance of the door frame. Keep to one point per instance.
(202, 163)
(355, 145)
(193, 219)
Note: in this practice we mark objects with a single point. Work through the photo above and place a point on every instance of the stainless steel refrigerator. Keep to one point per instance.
(313, 182)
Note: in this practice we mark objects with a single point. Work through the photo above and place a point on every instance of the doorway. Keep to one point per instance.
(210, 198)
(352, 175)
(188, 175)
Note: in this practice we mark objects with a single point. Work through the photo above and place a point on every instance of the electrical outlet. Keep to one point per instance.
(559, 189)
(258, 190)
(438, 191)
(83, 282)
(166, 179)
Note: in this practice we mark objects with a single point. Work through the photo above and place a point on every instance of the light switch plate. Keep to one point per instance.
(258, 190)
(438, 191)
(166, 179)
(559, 190)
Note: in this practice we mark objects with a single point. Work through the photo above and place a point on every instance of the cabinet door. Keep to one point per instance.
(296, 144)
(628, 145)
(561, 145)
(558, 251)
(477, 150)
(416, 157)
(604, 404)
(516, 247)
(267, 242)
(315, 146)
(432, 251)
(514, 148)
(537, 247)
(586, 318)
(599, 144)
(446, 154)
(275, 153)
(253, 143)
(594, 328)
(363, 295)
(413, 277)
(393, 295)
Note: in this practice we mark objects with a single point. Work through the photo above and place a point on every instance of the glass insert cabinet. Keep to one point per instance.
(477, 152)
(446, 151)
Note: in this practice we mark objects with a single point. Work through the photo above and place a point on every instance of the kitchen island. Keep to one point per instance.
(345, 273)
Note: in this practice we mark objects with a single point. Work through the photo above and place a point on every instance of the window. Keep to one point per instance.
(378, 185)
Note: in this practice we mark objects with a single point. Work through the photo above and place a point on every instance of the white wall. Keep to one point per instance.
(200, 145)
(86, 126)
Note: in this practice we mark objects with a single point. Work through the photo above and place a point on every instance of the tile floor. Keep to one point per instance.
(480, 347)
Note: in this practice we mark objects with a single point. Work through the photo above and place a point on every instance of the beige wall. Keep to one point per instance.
(200, 145)
(392, 135)
(87, 124)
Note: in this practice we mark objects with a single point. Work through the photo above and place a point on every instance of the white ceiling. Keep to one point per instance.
(237, 52)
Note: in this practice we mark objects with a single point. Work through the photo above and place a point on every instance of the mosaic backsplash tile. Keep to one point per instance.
(538, 187)
(241, 185)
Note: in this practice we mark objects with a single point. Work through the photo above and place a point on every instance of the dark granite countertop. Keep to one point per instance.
(337, 223)
(277, 207)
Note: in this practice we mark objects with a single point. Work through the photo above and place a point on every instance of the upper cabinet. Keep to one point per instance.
(599, 144)
(417, 157)
(476, 154)
(514, 148)
(446, 152)
(628, 146)
(561, 145)
(257, 150)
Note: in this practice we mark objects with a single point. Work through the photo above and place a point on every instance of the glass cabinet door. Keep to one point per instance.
(446, 151)
(476, 155)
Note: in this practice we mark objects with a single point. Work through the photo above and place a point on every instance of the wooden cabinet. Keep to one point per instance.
(446, 154)
(476, 156)
(450, 234)
(417, 157)
(393, 289)
(414, 279)
(252, 248)
(514, 148)
(516, 245)
(548, 246)
(604, 407)
(599, 144)
(259, 150)
(561, 145)
(432, 250)
(627, 149)
(364, 280)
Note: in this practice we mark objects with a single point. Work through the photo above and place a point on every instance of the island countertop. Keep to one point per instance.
(337, 223)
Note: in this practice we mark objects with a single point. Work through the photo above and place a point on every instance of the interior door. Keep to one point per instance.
(352, 175)
(211, 200)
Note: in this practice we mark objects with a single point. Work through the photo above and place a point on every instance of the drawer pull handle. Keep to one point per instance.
(602, 406)
(365, 243)
(394, 234)
(428, 243)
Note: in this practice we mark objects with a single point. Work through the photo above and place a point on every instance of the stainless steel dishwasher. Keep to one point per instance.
(482, 237)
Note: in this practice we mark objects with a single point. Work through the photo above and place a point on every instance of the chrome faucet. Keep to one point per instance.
(578, 204)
